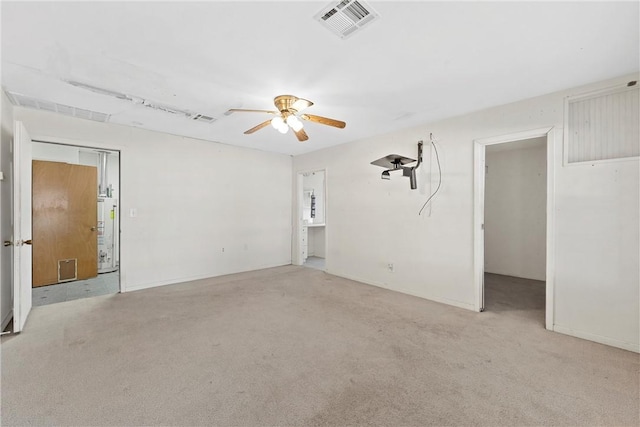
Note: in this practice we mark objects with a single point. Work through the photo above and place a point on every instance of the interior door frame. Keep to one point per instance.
(21, 226)
(299, 194)
(553, 138)
(47, 139)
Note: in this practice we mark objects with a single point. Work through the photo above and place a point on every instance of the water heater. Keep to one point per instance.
(107, 234)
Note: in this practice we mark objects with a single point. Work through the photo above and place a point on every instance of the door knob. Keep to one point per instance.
(93, 229)
(7, 243)
(26, 242)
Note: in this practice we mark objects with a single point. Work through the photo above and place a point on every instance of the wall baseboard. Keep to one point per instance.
(543, 279)
(6, 320)
(635, 347)
(453, 303)
(139, 287)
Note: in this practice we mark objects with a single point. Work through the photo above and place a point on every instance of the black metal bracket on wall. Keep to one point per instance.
(395, 162)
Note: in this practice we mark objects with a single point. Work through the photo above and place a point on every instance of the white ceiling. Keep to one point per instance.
(419, 62)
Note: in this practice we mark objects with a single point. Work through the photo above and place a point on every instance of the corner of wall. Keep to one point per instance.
(6, 138)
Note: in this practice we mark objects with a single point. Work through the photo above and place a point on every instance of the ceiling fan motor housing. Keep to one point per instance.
(284, 102)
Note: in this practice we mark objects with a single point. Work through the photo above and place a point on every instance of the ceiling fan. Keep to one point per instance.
(288, 116)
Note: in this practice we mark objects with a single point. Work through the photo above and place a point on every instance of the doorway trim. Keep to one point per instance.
(47, 139)
(299, 191)
(479, 147)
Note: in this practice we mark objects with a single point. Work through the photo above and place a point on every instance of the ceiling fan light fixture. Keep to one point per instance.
(287, 115)
(277, 122)
(294, 122)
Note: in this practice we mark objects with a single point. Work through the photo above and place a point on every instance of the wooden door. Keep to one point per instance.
(65, 207)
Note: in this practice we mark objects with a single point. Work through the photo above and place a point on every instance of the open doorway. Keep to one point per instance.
(312, 215)
(515, 227)
(514, 218)
(76, 232)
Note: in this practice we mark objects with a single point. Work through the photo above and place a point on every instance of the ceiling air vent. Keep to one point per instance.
(38, 104)
(203, 118)
(346, 17)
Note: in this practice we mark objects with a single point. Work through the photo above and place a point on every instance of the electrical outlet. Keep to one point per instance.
(391, 267)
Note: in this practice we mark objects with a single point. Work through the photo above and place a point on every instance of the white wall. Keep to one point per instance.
(6, 139)
(374, 222)
(55, 153)
(515, 216)
(317, 241)
(203, 209)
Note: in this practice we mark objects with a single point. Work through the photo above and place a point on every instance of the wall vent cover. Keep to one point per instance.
(203, 118)
(346, 17)
(604, 125)
(144, 102)
(39, 104)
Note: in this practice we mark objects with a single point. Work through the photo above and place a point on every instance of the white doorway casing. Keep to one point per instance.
(22, 265)
(479, 151)
(298, 257)
(22, 283)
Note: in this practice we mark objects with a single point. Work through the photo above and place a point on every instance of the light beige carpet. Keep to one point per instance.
(296, 346)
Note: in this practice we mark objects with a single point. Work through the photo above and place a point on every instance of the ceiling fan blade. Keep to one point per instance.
(300, 104)
(301, 135)
(242, 110)
(324, 120)
(258, 127)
